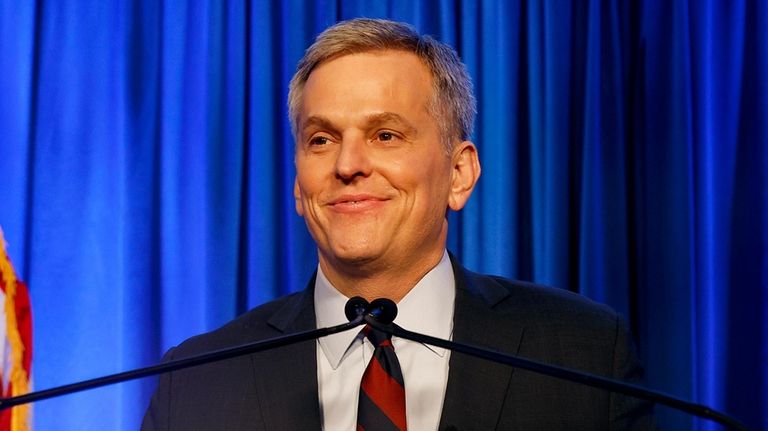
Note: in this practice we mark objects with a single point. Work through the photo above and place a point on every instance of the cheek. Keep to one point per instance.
(297, 197)
(305, 196)
(436, 175)
(429, 185)
(308, 177)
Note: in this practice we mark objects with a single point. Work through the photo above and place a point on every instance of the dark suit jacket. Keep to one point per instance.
(277, 389)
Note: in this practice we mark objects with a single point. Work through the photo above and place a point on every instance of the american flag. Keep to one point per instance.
(15, 343)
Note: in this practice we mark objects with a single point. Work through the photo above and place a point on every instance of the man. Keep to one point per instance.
(381, 118)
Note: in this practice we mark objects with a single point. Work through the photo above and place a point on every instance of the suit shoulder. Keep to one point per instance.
(543, 305)
(250, 326)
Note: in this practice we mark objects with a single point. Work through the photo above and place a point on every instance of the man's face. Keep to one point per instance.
(373, 177)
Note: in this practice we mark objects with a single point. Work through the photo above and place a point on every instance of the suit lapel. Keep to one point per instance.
(287, 386)
(476, 387)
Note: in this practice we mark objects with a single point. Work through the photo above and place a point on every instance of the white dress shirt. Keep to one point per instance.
(342, 358)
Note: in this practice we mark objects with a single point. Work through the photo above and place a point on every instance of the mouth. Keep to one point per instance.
(356, 203)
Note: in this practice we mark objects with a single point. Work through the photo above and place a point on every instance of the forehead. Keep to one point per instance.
(364, 80)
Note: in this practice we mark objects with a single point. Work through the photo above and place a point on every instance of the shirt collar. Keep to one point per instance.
(426, 309)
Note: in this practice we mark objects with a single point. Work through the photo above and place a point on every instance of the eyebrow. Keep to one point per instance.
(371, 121)
(391, 117)
(318, 121)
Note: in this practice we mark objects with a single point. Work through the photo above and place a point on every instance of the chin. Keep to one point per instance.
(357, 255)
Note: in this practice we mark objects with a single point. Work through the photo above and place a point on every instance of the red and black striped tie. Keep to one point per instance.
(382, 392)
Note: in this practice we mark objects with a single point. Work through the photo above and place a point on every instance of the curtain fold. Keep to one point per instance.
(147, 176)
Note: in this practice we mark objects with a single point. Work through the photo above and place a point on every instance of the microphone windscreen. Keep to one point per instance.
(383, 310)
(356, 306)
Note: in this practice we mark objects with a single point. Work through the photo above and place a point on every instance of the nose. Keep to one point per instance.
(353, 160)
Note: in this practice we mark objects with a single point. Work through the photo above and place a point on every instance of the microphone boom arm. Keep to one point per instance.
(179, 364)
(562, 373)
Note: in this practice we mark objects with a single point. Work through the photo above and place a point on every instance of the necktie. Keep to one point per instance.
(382, 392)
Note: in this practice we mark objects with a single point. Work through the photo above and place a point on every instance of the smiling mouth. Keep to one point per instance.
(356, 204)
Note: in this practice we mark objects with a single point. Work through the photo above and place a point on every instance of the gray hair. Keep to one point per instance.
(452, 104)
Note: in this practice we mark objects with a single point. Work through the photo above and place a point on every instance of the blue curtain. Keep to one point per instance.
(146, 175)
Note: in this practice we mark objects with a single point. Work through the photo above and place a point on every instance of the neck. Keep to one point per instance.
(393, 282)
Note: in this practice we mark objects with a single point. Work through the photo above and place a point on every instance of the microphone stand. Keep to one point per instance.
(376, 314)
(178, 364)
(561, 373)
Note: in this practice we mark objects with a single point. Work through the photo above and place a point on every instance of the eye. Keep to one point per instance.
(385, 136)
(318, 140)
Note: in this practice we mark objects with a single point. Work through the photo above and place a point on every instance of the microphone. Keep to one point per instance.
(382, 317)
(354, 310)
(355, 307)
(382, 310)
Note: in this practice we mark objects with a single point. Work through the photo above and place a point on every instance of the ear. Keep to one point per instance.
(297, 197)
(466, 171)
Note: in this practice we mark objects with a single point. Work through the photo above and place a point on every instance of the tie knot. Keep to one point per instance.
(376, 337)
